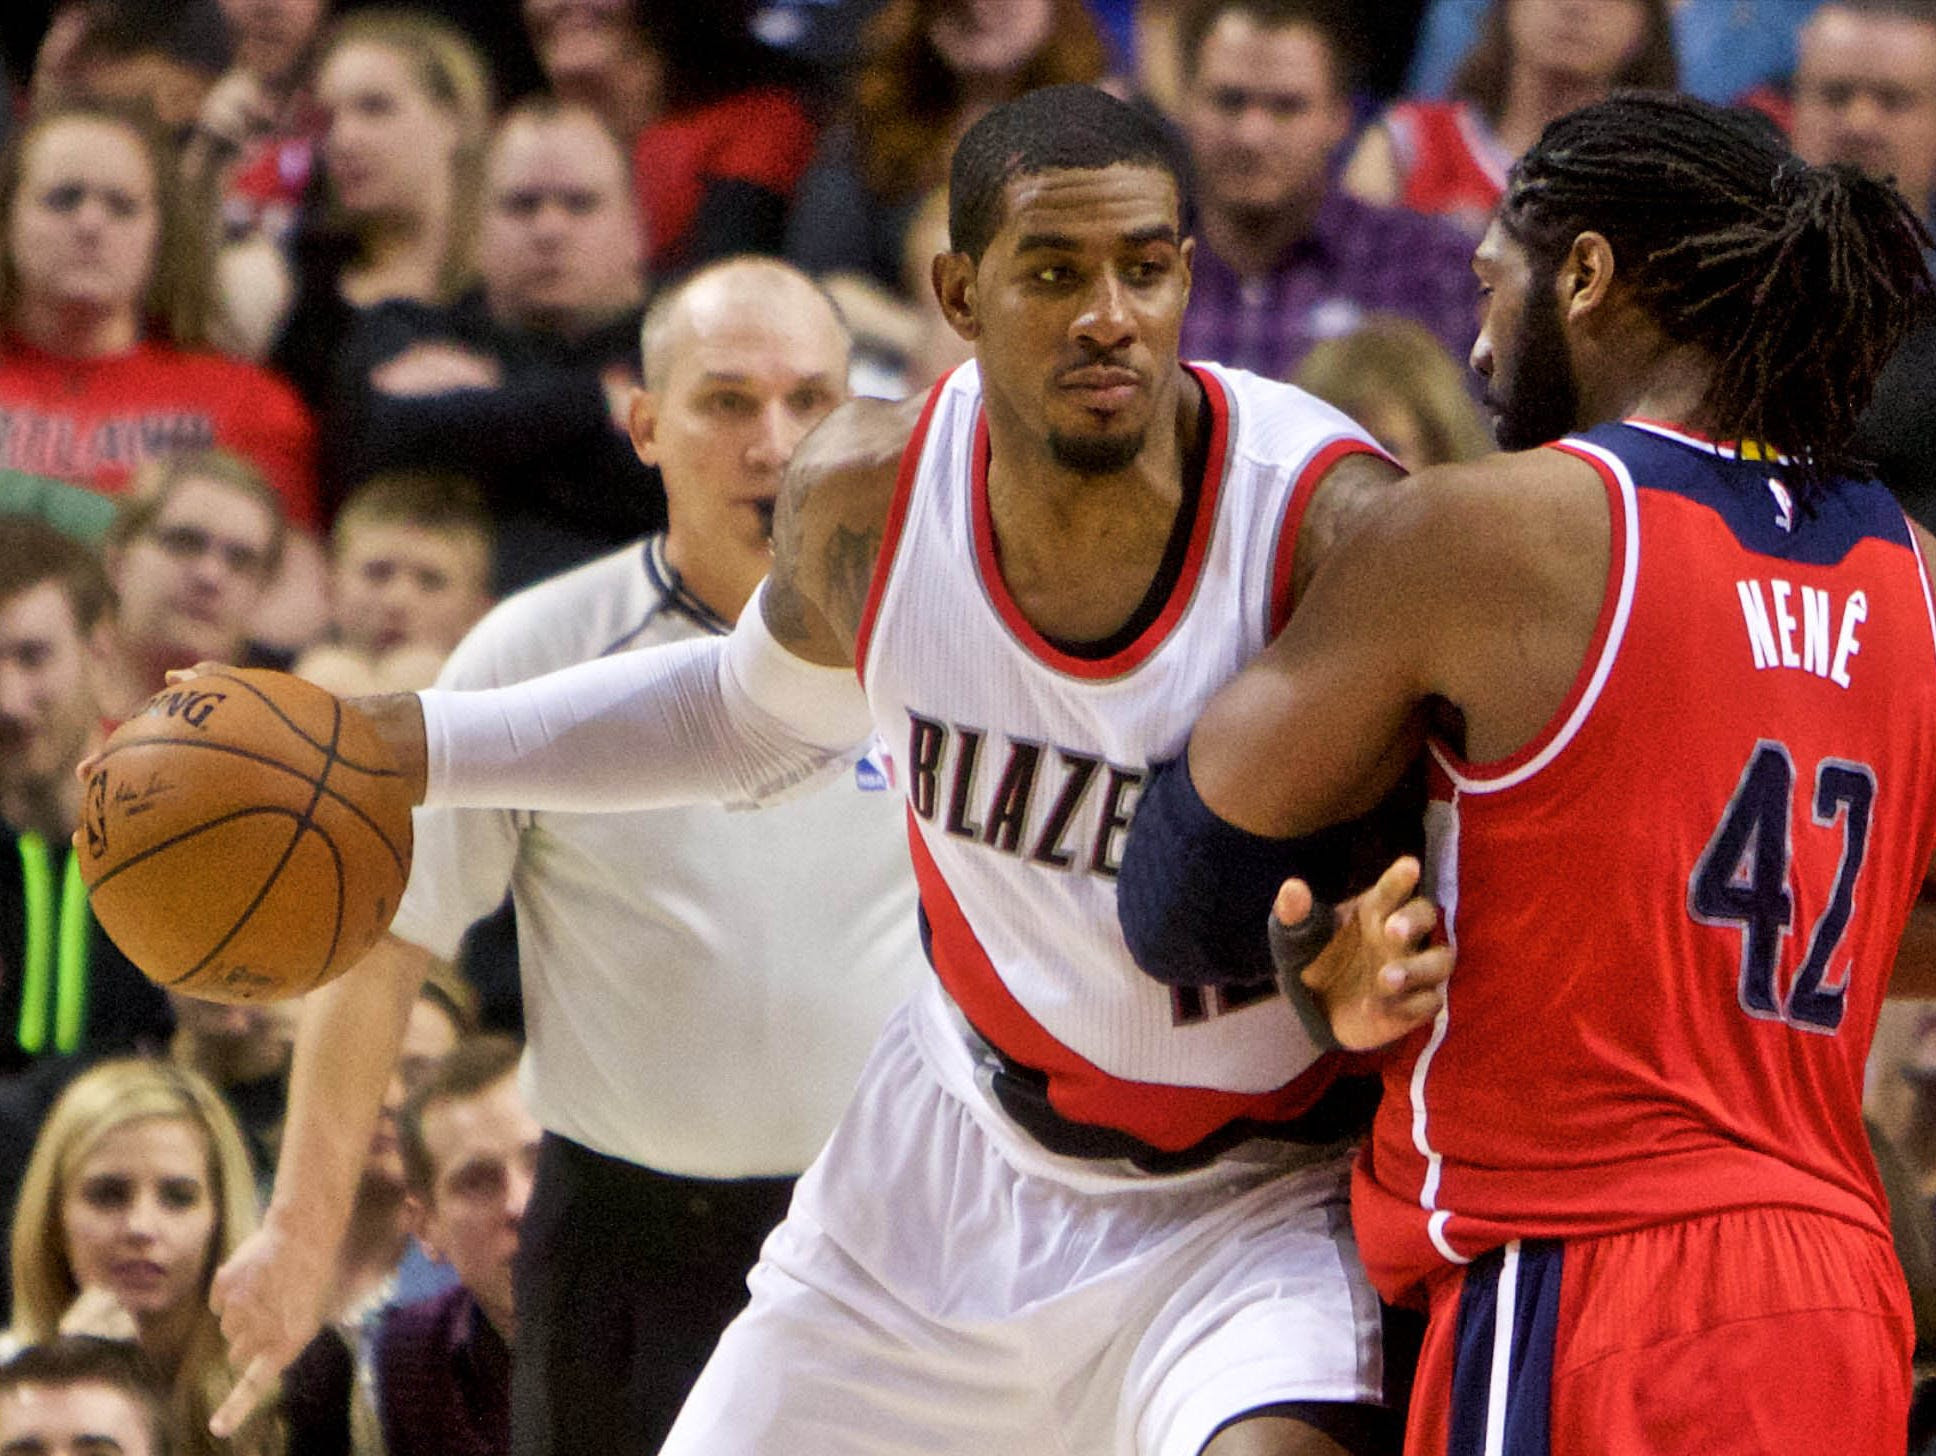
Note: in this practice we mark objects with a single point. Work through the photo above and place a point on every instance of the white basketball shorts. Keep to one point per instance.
(943, 1287)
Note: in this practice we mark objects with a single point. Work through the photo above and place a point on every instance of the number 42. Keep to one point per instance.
(1742, 881)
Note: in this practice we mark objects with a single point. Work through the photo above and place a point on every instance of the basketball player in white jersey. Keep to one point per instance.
(1071, 1210)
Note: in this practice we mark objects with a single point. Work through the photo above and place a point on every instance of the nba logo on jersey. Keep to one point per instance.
(870, 777)
(1784, 504)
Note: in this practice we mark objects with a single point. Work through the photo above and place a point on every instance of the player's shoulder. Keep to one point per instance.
(1475, 518)
(854, 456)
(569, 618)
(1275, 424)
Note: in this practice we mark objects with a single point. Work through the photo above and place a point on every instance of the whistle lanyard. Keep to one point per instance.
(53, 986)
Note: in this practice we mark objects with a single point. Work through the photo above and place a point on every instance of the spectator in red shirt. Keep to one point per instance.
(1535, 60)
(258, 127)
(716, 169)
(104, 298)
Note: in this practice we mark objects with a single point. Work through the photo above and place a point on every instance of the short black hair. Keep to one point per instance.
(1055, 129)
(69, 1360)
(1324, 18)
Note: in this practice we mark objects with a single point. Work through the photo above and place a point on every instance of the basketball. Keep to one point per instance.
(246, 836)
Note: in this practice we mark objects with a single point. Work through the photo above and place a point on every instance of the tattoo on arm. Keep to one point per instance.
(785, 611)
(849, 565)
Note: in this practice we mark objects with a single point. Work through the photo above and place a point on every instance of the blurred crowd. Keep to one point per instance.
(320, 331)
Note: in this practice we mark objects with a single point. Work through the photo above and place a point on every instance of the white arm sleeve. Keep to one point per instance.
(735, 720)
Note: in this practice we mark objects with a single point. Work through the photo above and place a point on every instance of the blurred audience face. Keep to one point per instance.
(86, 222)
(1590, 39)
(138, 1217)
(1264, 112)
(397, 584)
(1865, 94)
(84, 1418)
(190, 581)
(230, 1044)
(580, 39)
(428, 1037)
(484, 1151)
(49, 688)
(989, 38)
(388, 146)
(272, 36)
(561, 246)
(753, 359)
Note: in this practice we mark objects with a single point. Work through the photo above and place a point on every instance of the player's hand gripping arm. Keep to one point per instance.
(269, 1293)
(739, 720)
(1314, 733)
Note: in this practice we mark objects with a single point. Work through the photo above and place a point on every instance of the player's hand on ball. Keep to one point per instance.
(1376, 979)
(269, 1297)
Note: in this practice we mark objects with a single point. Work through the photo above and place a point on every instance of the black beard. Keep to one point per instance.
(1539, 400)
(1095, 454)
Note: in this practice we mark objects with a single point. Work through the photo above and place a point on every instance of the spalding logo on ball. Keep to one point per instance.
(246, 836)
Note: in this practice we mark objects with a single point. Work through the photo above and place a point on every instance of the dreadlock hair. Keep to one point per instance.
(1799, 281)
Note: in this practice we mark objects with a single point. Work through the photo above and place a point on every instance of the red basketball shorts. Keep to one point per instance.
(1758, 1332)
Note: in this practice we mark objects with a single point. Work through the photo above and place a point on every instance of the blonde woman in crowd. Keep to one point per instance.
(407, 100)
(1394, 378)
(138, 1186)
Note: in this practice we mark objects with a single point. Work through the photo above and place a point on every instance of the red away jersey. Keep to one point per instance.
(1675, 912)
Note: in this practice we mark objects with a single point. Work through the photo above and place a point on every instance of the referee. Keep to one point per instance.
(698, 1002)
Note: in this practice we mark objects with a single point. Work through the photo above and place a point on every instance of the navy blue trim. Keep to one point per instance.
(672, 596)
(1529, 1379)
(1818, 531)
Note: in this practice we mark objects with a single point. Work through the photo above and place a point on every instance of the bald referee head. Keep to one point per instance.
(739, 362)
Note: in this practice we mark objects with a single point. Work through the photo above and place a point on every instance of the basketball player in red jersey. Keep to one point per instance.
(1676, 677)
(1069, 1213)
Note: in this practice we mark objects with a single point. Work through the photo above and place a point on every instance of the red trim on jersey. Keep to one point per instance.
(1152, 636)
(891, 531)
(1284, 558)
(1163, 1115)
(1590, 664)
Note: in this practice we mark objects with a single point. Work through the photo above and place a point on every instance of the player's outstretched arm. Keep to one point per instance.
(269, 1293)
(742, 719)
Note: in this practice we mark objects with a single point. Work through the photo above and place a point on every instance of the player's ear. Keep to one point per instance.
(1585, 276)
(954, 290)
(643, 425)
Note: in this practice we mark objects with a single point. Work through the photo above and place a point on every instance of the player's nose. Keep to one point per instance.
(1106, 320)
(774, 438)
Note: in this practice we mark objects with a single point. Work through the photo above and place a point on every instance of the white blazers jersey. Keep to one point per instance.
(1021, 763)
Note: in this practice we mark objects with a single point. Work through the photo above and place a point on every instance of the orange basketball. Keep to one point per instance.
(246, 836)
